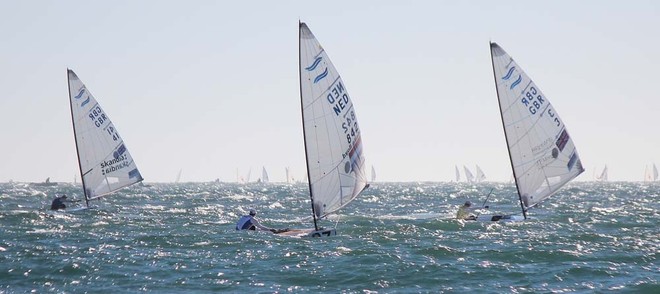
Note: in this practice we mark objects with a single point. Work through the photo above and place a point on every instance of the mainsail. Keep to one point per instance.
(333, 145)
(468, 175)
(105, 163)
(264, 175)
(373, 174)
(542, 153)
(458, 174)
(650, 174)
(480, 175)
(603, 175)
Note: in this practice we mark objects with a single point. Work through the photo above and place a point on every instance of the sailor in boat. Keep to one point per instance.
(466, 211)
(58, 202)
(249, 222)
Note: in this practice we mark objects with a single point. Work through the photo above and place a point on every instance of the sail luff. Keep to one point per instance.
(492, 59)
(302, 111)
(75, 138)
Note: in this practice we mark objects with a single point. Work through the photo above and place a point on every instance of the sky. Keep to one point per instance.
(211, 87)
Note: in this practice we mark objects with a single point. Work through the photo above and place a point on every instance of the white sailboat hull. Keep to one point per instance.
(309, 233)
(499, 218)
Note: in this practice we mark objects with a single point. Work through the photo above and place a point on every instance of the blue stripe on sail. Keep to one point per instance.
(120, 151)
(82, 91)
(321, 76)
(572, 161)
(85, 102)
(315, 64)
(516, 82)
(134, 174)
(508, 74)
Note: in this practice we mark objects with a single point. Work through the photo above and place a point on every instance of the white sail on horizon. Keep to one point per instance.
(264, 175)
(105, 163)
(481, 176)
(458, 174)
(373, 174)
(650, 173)
(603, 175)
(469, 177)
(542, 153)
(333, 144)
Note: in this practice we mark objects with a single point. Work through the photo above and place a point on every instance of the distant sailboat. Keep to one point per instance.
(603, 175)
(651, 173)
(264, 175)
(46, 183)
(458, 174)
(178, 176)
(288, 175)
(480, 175)
(543, 156)
(333, 145)
(373, 174)
(104, 161)
(468, 175)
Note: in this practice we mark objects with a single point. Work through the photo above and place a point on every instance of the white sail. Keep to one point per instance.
(373, 174)
(542, 153)
(458, 174)
(468, 175)
(288, 175)
(105, 163)
(480, 175)
(655, 173)
(332, 135)
(178, 176)
(264, 175)
(603, 175)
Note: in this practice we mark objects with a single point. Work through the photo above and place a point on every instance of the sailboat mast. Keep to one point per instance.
(302, 112)
(75, 139)
(515, 177)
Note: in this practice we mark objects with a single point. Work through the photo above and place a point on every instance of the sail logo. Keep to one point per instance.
(571, 162)
(321, 76)
(80, 94)
(120, 151)
(315, 64)
(82, 91)
(562, 140)
(514, 84)
(355, 155)
(508, 74)
(134, 174)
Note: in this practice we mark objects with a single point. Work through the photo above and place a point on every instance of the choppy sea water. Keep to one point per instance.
(396, 237)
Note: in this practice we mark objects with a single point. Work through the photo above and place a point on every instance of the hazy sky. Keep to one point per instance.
(210, 87)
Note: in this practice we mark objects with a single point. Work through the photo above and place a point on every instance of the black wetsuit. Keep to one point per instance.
(58, 203)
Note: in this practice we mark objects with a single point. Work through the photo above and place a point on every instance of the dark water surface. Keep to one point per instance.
(396, 237)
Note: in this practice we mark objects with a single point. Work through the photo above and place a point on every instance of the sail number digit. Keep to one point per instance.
(112, 132)
(350, 127)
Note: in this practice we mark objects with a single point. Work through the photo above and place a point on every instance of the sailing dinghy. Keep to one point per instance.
(104, 161)
(333, 145)
(542, 153)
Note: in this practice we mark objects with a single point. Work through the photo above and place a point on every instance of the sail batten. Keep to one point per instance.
(335, 163)
(543, 156)
(104, 161)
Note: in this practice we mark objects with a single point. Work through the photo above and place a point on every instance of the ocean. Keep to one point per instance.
(394, 238)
